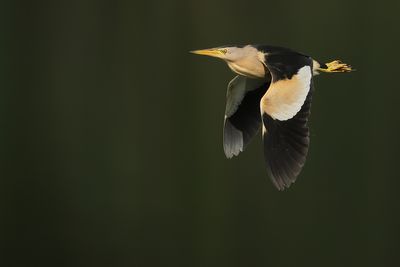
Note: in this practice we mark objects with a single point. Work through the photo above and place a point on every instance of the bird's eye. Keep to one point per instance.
(223, 51)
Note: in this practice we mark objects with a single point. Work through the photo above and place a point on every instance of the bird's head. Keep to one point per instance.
(227, 53)
(243, 60)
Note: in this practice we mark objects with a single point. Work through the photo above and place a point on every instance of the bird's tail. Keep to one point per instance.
(335, 66)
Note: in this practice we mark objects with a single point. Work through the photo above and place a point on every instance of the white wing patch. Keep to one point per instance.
(284, 98)
(237, 89)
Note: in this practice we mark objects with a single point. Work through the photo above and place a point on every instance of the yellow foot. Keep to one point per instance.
(336, 66)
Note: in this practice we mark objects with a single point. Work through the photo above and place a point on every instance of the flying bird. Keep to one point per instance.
(273, 91)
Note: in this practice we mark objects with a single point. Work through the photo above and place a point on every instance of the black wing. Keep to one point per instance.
(285, 109)
(286, 145)
(242, 114)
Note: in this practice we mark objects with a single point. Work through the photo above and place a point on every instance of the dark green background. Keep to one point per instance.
(111, 137)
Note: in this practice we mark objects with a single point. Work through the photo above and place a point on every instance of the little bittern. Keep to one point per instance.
(273, 89)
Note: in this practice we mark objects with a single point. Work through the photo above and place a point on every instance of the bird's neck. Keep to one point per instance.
(251, 66)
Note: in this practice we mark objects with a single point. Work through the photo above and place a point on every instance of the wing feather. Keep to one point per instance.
(242, 114)
(286, 150)
(285, 109)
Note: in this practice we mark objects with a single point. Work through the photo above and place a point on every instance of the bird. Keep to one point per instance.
(272, 91)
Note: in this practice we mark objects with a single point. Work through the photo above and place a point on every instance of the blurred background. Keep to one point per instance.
(111, 137)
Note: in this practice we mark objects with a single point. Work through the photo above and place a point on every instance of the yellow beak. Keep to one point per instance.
(207, 52)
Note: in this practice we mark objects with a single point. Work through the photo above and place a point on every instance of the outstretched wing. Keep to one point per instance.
(285, 109)
(242, 113)
(286, 145)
